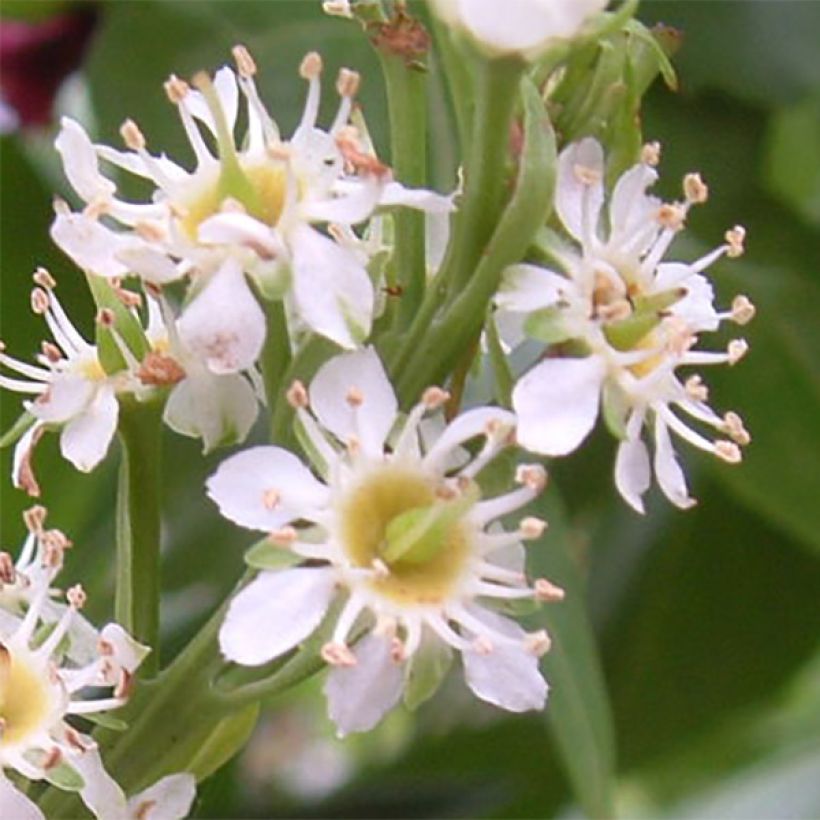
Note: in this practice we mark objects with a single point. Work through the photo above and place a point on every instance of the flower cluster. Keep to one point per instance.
(52, 665)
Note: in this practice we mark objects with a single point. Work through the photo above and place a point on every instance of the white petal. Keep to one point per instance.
(429, 201)
(168, 799)
(224, 324)
(104, 798)
(525, 288)
(135, 164)
(126, 652)
(506, 676)
(350, 209)
(22, 475)
(667, 470)
(331, 288)
(698, 306)
(465, 426)
(240, 229)
(80, 162)
(274, 612)
(632, 473)
(89, 244)
(218, 409)
(67, 396)
(359, 696)
(85, 439)
(372, 420)
(557, 404)
(630, 209)
(571, 191)
(226, 89)
(245, 485)
(14, 804)
(149, 264)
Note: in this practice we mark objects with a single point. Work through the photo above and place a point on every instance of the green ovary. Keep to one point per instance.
(366, 514)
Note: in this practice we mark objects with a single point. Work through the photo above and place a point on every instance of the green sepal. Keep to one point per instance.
(425, 672)
(547, 325)
(627, 333)
(306, 443)
(267, 556)
(17, 430)
(616, 407)
(273, 280)
(106, 721)
(658, 301)
(63, 776)
(126, 324)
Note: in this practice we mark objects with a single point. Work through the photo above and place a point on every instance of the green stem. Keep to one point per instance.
(504, 380)
(136, 605)
(407, 108)
(276, 352)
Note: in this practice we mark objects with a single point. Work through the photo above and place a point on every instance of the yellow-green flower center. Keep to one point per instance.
(24, 698)
(386, 516)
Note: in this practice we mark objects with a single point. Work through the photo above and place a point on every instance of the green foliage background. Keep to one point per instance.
(706, 623)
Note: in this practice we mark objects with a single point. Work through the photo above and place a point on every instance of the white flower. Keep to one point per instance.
(40, 687)
(521, 27)
(627, 321)
(256, 204)
(396, 530)
(72, 391)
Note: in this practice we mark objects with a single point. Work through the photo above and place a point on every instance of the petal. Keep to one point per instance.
(667, 470)
(525, 288)
(274, 612)
(429, 201)
(66, 397)
(226, 89)
(571, 192)
(104, 798)
(354, 207)
(149, 264)
(632, 472)
(506, 676)
(372, 420)
(698, 306)
(218, 409)
(240, 229)
(331, 288)
(264, 488)
(85, 439)
(465, 426)
(224, 324)
(126, 652)
(80, 162)
(557, 404)
(630, 208)
(359, 696)
(89, 244)
(14, 804)
(22, 471)
(168, 799)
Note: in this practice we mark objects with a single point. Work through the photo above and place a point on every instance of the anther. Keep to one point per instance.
(651, 154)
(531, 528)
(159, 370)
(696, 389)
(728, 451)
(538, 643)
(735, 239)
(176, 89)
(284, 537)
(132, 136)
(106, 317)
(671, 215)
(56, 540)
(337, 654)
(434, 397)
(51, 351)
(271, 499)
(547, 592)
(743, 311)
(354, 397)
(586, 175)
(615, 311)
(53, 758)
(244, 62)
(532, 476)
(39, 301)
(297, 395)
(76, 597)
(7, 571)
(736, 350)
(733, 425)
(311, 66)
(695, 189)
(338, 8)
(398, 651)
(60, 206)
(44, 279)
(34, 518)
(150, 231)
(347, 83)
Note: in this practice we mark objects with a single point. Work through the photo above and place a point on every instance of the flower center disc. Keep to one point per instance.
(24, 700)
(365, 516)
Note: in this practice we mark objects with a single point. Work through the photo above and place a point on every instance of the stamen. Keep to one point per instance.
(347, 84)
(728, 451)
(51, 352)
(538, 643)
(311, 66)
(531, 528)
(354, 397)
(434, 397)
(132, 136)
(106, 318)
(695, 189)
(39, 301)
(743, 311)
(736, 350)
(176, 89)
(244, 62)
(532, 476)
(651, 154)
(547, 592)
(733, 425)
(337, 654)
(735, 239)
(151, 231)
(671, 215)
(696, 389)
(338, 8)
(7, 570)
(43, 278)
(76, 596)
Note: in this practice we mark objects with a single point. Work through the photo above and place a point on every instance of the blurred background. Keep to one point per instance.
(686, 668)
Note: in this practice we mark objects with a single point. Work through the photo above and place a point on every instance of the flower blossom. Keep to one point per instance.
(41, 686)
(256, 204)
(623, 321)
(71, 390)
(397, 528)
(526, 28)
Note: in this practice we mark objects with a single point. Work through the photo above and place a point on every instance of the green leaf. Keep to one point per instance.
(228, 737)
(578, 711)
